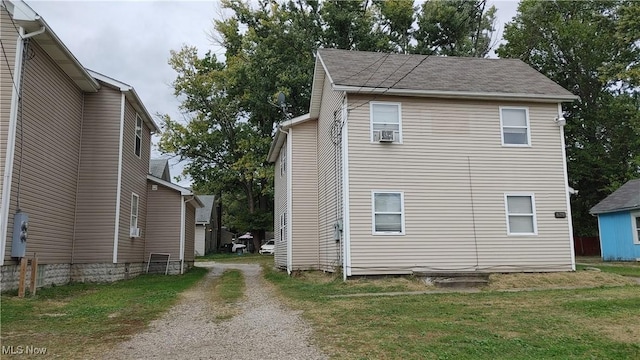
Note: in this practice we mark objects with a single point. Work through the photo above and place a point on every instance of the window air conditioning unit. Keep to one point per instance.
(385, 136)
(134, 232)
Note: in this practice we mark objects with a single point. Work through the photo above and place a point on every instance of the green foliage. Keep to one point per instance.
(559, 38)
(230, 106)
(455, 28)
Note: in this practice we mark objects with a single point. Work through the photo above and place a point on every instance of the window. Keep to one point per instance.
(283, 161)
(138, 144)
(515, 126)
(521, 214)
(388, 213)
(134, 211)
(283, 226)
(635, 224)
(386, 117)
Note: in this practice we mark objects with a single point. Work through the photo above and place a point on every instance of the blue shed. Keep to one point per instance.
(619, 223)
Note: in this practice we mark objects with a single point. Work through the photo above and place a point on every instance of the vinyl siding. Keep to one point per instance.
(451, 150)
(304, 202)
(199, 247)
(134, 180)
(189, 232)
(280, 207)
(329, 179)
(162, 234)
(616, 231)
(98, 179)
(9, 37)
(47, 156)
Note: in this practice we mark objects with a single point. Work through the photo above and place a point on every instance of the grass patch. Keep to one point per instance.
(234, 258)
(556, 280)
(624, 269)
(562, 324)
(82, 320)
(228, 290)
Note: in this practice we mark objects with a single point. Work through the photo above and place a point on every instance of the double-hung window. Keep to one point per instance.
(514, 123)
(521, 214)
(134, 215)
(388, 213)
(283, 161)
(386, 122)
(635, 224)
(138, 139)
(283, 226)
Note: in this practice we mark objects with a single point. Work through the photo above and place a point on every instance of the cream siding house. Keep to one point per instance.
(206, 236)
(425, 164)
(171, 223)
(74, 150)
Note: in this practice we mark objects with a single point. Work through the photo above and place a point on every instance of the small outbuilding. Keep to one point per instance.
(619, 223)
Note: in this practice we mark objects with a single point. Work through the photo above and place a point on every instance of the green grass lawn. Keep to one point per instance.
(625, 269)
(596, 323)
(227, 291)
(234, 258)
(81, 320)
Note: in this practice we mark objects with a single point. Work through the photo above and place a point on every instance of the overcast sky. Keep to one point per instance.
(130, 40)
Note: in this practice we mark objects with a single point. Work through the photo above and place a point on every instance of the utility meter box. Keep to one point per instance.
(20, 227)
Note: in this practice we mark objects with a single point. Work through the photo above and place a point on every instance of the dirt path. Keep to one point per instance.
(265, 329)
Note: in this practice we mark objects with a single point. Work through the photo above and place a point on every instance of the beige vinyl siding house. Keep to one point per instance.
(98, 185)
(171, 221)
(206, 232)
(9, 38)
(429, 164)
(77, 159)
(281, 202)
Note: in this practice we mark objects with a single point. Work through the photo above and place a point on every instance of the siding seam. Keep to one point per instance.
(75, 212)
(119, 184)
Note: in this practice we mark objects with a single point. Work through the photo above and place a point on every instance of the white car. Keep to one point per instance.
(268, 248)
(238, 248)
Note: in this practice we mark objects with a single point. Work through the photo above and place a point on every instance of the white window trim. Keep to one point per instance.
(399, 105)
(533, 207)
(373, 213)
(136, 136)
(634, 215)
(528, 127)
(283, 161)
(137, 214)
(283, 226)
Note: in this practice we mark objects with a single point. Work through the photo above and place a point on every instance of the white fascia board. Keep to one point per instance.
(280, 136)
(319, 75)
(183, 191)
(456, 94)
(131, 94)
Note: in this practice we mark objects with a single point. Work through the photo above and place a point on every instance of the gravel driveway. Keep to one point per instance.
(265, 329)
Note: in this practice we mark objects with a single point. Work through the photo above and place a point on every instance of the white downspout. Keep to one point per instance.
(11, 137)
(346, 225)
(182, 229)
(566, 190)
(289, 201)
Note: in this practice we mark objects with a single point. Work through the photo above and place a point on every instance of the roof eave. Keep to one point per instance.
(131, 94)
(183, 191)
(632, 208)
(28, 19)
(276, 144)
(457, 94)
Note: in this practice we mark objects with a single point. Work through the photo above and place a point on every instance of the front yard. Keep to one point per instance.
(595, 323)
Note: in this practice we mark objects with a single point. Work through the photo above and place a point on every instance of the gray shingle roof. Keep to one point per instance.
(627, 197)
(203, 214)
(437, 73)
(160, 169)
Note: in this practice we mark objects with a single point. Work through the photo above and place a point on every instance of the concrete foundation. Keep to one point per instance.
(61, 274)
